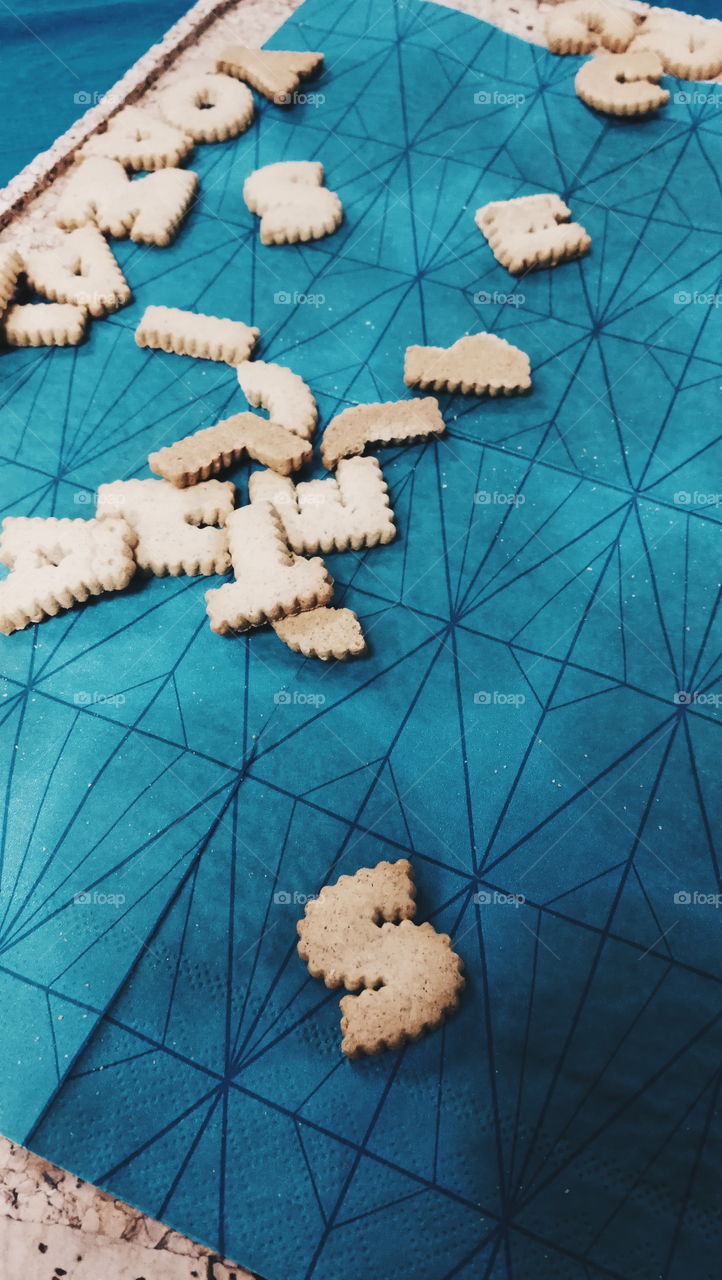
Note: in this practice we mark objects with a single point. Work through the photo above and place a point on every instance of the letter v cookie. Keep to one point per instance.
(148, 209)
(529, 232)
(349, 510)
(411, 976)
(270, 580)
(139, 141)
(481, 364)
(166, 523)
(81, 270)
(58, 563)
(273, 72)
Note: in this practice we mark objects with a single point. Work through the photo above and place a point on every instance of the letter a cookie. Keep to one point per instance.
(411, 976)
(58, 563)
(81, 270)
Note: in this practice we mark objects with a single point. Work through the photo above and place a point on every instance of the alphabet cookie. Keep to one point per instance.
(622, 84)
(81, 270)
(292, 202)
(411, 976)
(44, 324)
(350, 510)
(11, 265)
(578, 26)
(208, 451)
(149, 209)
(529, 232)
(58, 563)
(139, 141)
(189, 333)
(689, 47)
(208, 107)
(274, 73)
(282, 392)
(270, 580)
(394, 422)
(165, 521)
(323, 633)
(481, 364)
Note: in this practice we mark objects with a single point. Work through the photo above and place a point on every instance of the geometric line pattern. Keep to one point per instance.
(517, 728)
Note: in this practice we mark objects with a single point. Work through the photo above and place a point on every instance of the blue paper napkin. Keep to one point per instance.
(536, 725)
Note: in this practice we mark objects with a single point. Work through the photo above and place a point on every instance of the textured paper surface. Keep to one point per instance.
(514, 730)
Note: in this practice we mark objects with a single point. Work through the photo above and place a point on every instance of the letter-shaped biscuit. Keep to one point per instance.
(270, 580)
(394, 422)
(323, 633)
(149, 209)
(82, 270)
(282, 392)
(622, 84)
(208, 107)
(275, 73)
(165, 521)
(139, 141)
(209, 450)
(58, 563)
(529, 232)
(412, 977)
(292, 202)
(689, 47)
(189, 333)
(578, 26)
(11, 265)
(350, 510)
(44, 324)
(481, 364)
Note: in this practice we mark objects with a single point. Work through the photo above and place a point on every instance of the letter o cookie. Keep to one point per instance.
(208, 107)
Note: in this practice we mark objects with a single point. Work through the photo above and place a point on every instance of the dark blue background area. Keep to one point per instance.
(51, 53)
